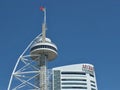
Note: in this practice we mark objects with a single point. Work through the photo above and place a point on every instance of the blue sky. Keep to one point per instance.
(85, 31)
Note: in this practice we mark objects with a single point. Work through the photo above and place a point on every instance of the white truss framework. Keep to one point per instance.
(25, 75)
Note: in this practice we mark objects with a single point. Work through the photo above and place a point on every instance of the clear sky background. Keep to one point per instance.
(85, 31)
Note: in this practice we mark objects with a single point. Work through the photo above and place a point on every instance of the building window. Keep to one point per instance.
(91, 75)
(92, 81)
(70, 83)
(74, 87)
(92, 85)
(74, 80)
(77, 73)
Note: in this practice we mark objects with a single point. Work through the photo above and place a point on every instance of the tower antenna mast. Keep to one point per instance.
(44, 24)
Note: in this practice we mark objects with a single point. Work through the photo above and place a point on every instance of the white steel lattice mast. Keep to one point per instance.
(30, 71)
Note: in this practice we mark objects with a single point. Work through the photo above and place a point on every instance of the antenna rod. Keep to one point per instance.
(44, 24)
(44, 15)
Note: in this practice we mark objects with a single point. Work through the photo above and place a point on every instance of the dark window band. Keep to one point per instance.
(91, 75)
(79, 73)
(74, 80)
(92, 81)
(74, 83)
(92, 85)
(43, 46)
(74, 87)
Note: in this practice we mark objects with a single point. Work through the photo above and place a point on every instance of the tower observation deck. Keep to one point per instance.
(32, 73)
(44, 46)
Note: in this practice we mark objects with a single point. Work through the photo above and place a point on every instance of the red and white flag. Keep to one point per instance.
(42, 8)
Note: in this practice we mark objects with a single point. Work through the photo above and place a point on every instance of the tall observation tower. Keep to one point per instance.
(30, 71)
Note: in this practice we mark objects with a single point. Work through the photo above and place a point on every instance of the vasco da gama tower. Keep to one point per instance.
(31, 73)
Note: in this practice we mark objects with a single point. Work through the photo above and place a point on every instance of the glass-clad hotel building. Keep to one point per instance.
(74, 77)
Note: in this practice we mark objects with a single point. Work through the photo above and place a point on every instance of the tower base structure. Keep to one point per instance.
(31, 76)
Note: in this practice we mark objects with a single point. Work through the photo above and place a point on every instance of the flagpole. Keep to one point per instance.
(44, 24)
